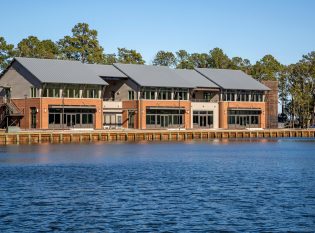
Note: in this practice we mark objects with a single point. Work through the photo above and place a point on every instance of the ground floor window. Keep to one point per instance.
(203, 119)
(59, 118)
(112, 120)
(238, 119)
(165, 118)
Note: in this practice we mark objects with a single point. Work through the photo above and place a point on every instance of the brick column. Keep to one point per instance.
(271, 99)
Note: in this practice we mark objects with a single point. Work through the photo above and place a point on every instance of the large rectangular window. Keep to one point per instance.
(181, 94)
(202, 119)
(149, 94)
(71, 92)
(87, 92)
(165, 94)
(53, 92)
(249, 118)
(72, 118)
(90, 93)
(244, 96)
(164, 118)
(230, 96)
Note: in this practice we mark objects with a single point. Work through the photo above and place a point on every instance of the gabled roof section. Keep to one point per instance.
(153, 76)
(232, 79)
(106, 71)
(196, 78)
(60, 71)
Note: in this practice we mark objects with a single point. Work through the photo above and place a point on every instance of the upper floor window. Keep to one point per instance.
(207, 96)
(54, 92)
(257, 97)
(242, 96)
(90, 93)
(34, 92)
(51, 92)
(131, 95)
(165, 94)
(71, 93)
(149, 94)
(181, 94)
(229, 96)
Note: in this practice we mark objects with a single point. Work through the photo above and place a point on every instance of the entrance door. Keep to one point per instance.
(33, 117)
(203, 121)
(131, 120)
(70, 120)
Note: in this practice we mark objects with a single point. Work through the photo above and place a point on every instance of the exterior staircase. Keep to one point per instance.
(10, 115)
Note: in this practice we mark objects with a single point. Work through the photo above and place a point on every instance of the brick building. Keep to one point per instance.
(59, 94)
(53, 94)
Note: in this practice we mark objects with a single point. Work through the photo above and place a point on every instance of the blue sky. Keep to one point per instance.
(250, 29)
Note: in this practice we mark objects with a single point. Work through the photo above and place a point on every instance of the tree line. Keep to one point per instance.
(296, 81)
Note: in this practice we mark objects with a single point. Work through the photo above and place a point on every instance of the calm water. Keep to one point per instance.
(232, 186)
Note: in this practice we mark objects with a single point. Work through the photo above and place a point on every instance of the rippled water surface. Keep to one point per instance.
(201, 186)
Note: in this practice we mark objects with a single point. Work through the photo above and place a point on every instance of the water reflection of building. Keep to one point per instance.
(58, 94)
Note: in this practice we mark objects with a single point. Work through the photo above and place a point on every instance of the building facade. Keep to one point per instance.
(242, 101)
(58, 94)
(54, 94)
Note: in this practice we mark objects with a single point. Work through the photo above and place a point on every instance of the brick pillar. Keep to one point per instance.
(271, 99)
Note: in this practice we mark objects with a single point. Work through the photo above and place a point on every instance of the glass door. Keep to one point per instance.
(244, 121)
(70, 120)
(247, 123)
(73, 120)
(202, 121)
(131, 120)
(33, 117)
(164, 121)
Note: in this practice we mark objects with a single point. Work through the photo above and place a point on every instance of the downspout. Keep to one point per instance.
(103, 107)
(139, 111)
(41, 111)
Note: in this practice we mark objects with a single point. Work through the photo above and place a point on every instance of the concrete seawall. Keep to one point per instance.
(71, 136)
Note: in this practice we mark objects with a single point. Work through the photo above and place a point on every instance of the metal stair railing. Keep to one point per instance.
(8, 109)
(13, 108)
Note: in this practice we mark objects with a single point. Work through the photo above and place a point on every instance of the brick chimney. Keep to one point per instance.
(271, 104)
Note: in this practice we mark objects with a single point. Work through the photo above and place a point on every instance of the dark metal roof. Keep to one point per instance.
(195, 78)
(153, 76)
(60, 71)
(106, 71)
(232, 79)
